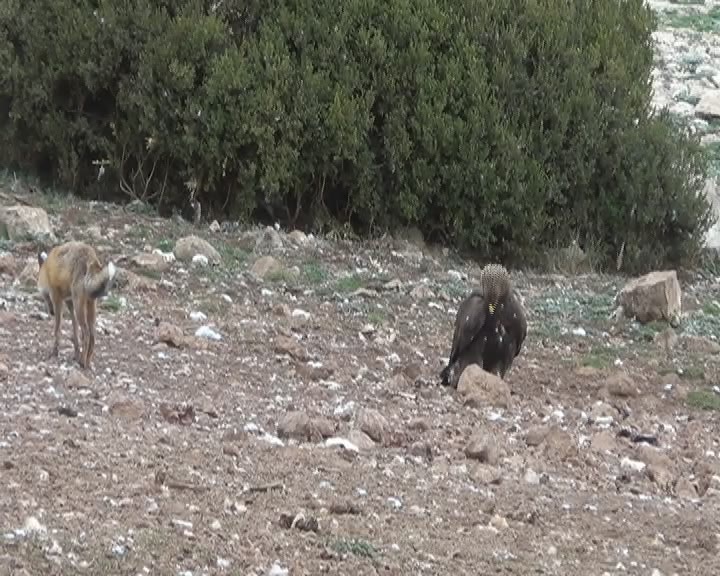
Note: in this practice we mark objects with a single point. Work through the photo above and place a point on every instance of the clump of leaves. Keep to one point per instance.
(112, 304)
(166, 245)
(600, 357)
(704, 399)
(347, 284)
(357, 547)
(314, 273)
(376, 317)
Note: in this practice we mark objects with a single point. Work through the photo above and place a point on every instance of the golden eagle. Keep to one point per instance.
(490, 327)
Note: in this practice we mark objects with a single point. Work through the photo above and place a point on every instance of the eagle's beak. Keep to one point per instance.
(492, 308)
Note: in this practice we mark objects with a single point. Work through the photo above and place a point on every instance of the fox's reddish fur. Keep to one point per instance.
(72, 274)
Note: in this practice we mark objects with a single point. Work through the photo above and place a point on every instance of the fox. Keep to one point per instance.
(71, 273)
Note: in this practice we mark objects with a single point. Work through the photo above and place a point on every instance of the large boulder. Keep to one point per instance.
(266, 266)
(655, 296)
(190, 246)
(708, 108)
(24, 222)
(483, 389)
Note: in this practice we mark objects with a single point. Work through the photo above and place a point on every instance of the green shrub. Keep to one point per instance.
(503, 129)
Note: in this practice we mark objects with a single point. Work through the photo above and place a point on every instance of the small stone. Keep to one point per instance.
(345, 411)
(170, 334)
(486, 475)
(28, 275)
(559, 444)
(207, 333)
(660, 476)
(622, 386)
(300, 426)
(422, 450)
(684, 489)
(374, 424)
(8, 265)
(314, 373)
(132, 282)
(126, 409)
(186, 248)
(587, 371)
(485, 387)
(667, 339)
(422, 292)
(603, 411)
(290, 346)
(76, 380)
(603, 442)
(214, 226)
(302, 314)
(281, 310)
(632, 465)
(200, 260)
(536, 435)
(531, 477)
(95, 232)
(265, 267)
(361, 440)
(483, 448)
(151, 261)
(499, 523)
(277, 570)
(32, 525)
(298, 237)
(326, 427)
(700, 345)
(419, 425)
(268, 239)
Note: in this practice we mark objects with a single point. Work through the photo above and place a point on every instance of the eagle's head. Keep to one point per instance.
(495, 283)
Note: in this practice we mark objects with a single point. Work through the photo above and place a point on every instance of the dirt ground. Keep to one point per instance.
(313, 436)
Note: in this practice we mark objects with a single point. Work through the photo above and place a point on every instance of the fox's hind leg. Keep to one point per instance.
(80, 314)
(56, 302)
(49, 303)
(90, 313)
(75, 341)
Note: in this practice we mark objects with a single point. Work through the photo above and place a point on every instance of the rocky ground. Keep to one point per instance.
(268, 404)
(686, 78)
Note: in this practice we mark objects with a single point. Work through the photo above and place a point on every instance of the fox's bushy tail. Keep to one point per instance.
(97, 285)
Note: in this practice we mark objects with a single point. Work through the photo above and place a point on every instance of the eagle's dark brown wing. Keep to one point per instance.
(469, 320)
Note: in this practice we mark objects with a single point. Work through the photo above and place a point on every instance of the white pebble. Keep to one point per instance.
(277, 570)
(343, 442)
(298, 313)
(200, 260)
(531, 477)
(634, 465)
(207, 332)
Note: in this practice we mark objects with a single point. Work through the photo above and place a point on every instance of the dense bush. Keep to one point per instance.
(506, 126)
